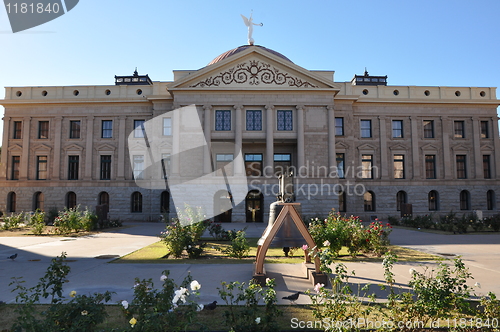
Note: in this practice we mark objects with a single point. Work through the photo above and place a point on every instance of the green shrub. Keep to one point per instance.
(37, 222)
(75, 220)
(239, 247)
(15, 221)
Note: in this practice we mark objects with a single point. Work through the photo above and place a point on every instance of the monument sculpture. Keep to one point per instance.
(249, 23)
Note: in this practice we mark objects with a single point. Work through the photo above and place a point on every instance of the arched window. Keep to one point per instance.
(369, 201)
(103, 198)
(70, 200)
(401, 198)
(136, 202)
(11, 202)
(433, 199)
(490, 199)
(165, 202)
(464, 200)
(38, 201)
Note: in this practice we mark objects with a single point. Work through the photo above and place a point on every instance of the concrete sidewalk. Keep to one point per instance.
(481, 253)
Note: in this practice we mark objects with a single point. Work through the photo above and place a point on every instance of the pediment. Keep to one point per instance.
(460, 147)
(41, 147)
(429, 147)
(367, 147)
(341, 146)
(253, 68)
(73, 147)
(105, 147)
(487, 147)
(398, 147)
(15, 147)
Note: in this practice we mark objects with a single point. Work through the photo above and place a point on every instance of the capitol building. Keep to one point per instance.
(362, 147)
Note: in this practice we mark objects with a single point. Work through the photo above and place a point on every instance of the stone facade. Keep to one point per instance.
(436, 148)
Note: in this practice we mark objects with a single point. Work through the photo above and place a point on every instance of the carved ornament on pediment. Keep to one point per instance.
(254, 73)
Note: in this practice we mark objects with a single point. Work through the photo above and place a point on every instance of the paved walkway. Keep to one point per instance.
(481, 253)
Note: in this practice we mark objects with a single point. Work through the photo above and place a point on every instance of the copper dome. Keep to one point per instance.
(227, 54)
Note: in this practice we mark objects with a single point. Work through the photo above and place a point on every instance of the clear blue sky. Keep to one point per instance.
(414, 42)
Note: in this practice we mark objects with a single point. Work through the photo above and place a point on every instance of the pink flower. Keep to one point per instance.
(318, 287)
(326, 243)
(305, 247)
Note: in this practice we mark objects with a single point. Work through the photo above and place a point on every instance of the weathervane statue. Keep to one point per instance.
(249, 23)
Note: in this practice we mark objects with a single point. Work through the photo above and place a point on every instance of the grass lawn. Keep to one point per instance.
(157, 253)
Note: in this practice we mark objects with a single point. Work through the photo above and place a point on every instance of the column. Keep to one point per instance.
(476, 143)
(56, 164)
(207, 129)
(23, 172)
(384, 170)
(445, 126)
(496, 144)
(269, 164)
(300, 137)
(122, 139)
(332, 156)
(3, 161)
(238, 140)
(414, 148)
(174, 157)
(89, 136)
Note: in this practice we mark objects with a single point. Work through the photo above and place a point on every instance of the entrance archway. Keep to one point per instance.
(254, 203)
(223, 206)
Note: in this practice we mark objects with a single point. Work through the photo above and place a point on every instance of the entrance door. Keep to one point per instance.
(223, 206)
(254, 203)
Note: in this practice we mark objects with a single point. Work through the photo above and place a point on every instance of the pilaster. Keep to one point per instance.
(476, 142)
(332, 155)
(300, 137)
(120, 174)
(5, 140)
(89, 136)
(384, 170)
(207, 129)
(414, 148)
(238, 140)
(269, 161)
(23, 171)
(448, 170)
(56, 167)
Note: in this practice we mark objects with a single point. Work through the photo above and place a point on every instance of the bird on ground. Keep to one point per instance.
(12, 257)
(211, 306)
(292, 298)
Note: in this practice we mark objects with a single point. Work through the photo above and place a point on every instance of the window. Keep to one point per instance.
(369, 201)
(43, 129)
(17, 130)
(103, 198)
(433, 200)
(342, 201)
(428, 128)
(165, 202)
(165, 164)
(38, 201)
(486, 166)
(41, 167)
(167, 126)
(222, 161)
(107, 129)
(341, 165)
(71, 200)
(16, 161)
(401, 198)
(282, 163)
(366, 128)
(253, 164)
(139, 128)
(339, 126)
(459, 129)
(136, 202)
(430, 166)
(399, 166)
(464, 200)
(254, 120)
(138, 167)
(461, 167)
(223, 120)
(73, 165)
(367, 166)
(397, 128)
(490, 200)
(74, 129)
(484, 129)
(285, 120)
(11, 202)
(106, 167)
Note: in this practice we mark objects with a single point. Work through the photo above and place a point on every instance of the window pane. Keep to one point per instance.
(74, 129)
(139, 128)
(165, 164)
(461, 167)
(16, 161)
(433, 201)
(254, 120)
(459, 129)
(428, 129)
(17, 130)
(397, 128)
(73, 166)
(223, 120)
(430, 166)
(43, 129)
(366, 166)
(138, 166)
(484, 129)
(366, 128)
(106, 167)
(222, 162)
(253, 164)
(369, 201)
(339, 126)
(282, 163)
(285, 120)
(107, 129)
(340, 165)
(399, 163)
(167, 126)
(486, 167)
(41, 162)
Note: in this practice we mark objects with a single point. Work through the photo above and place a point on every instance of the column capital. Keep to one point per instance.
(381, 117)
(300, 107)
(59, 118)
(27, 118)
(122, 117)
(90, 117)
(330, 108)
(207, 107)
(269, 107)
(176, 106)
(238, 107)
(6, 118)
